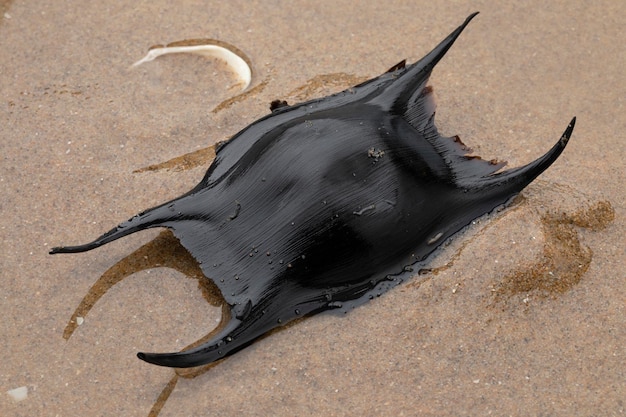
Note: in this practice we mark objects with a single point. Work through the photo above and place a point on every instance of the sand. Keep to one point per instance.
(523, 314)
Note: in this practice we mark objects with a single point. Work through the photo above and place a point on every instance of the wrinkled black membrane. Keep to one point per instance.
(325, 203)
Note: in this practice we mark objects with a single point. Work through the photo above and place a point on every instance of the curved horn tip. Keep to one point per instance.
(157, 358)
(568, 132)
(171, 360)
(73, 249)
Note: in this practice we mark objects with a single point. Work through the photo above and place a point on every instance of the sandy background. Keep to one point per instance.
(525, 316)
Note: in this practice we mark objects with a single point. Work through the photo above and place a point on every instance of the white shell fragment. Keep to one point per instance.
(18, 394)
(234, 57)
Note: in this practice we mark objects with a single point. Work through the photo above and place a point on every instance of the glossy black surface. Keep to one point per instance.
(324, 204)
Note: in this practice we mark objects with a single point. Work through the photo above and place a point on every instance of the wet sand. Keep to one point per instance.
(523, 313)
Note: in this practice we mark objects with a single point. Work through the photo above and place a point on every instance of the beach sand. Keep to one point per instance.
(523, 314)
